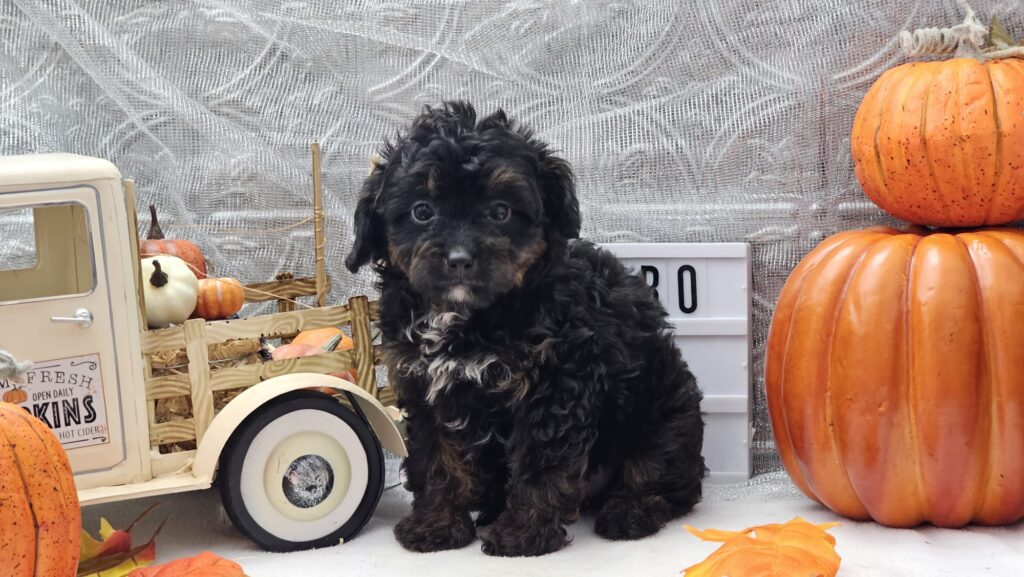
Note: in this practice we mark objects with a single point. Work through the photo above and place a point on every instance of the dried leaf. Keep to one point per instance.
(999, 37)
(780, 550)
(121, 564)
(205, 564)
(111, 542)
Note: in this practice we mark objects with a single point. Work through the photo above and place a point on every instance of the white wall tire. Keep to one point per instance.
(301, 472)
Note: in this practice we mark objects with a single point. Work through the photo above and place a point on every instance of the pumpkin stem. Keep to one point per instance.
(332, 344)
(159, 277)
(965, 40)
(155, 232)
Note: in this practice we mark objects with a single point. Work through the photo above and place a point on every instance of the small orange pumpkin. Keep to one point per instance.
(893, 376)
(155, 244)
(41, 521)
(17, 395)
(317, 341)
(218, 298)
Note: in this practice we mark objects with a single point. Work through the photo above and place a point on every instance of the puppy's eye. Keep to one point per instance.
(499, 212)
(422, 212)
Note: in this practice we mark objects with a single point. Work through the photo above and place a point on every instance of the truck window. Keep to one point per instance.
(45, 252)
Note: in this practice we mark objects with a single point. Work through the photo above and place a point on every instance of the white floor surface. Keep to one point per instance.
(197, 523)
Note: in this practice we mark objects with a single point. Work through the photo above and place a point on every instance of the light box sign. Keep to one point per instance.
(705, 287)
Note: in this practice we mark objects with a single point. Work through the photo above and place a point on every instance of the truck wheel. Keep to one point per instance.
(301, 473)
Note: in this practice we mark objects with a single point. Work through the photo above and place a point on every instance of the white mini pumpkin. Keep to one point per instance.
(170, 289)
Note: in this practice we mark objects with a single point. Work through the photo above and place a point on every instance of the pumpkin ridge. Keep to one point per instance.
(999, 148)
(816, 457)
(1001, 239)
(803, 482)
(65, 499)
(908, 370)
(934, 181)
(5, 443)
(828, 376)
(6, 440)
(1018, 66)
(883, 194)
(986, 394)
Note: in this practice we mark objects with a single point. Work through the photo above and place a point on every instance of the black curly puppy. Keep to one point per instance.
(536, 372)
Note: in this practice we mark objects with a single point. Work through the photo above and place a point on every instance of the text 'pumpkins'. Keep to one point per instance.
(895, 376)
(942, 143)
(40, 520)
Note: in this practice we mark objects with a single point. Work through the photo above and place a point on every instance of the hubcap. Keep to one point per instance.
(307, 481)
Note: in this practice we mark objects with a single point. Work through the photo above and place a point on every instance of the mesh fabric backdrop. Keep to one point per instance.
(721, 120)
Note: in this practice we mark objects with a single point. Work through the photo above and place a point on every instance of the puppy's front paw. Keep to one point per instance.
(425, 532)
(631, 518)
(505, 538)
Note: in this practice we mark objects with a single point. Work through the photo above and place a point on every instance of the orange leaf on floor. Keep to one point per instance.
(205, 564)
(780, 550)
(119, 564)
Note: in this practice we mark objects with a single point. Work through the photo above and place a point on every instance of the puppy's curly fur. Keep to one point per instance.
(537, 373)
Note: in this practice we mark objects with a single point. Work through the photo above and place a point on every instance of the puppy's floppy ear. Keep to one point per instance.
(561, 207)
(371, 242)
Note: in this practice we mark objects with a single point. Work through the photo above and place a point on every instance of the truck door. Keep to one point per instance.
(55, 310)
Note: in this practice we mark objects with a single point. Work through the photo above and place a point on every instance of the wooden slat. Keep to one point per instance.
(170, 463)
(276, 325)
(147, 374)
(199, 374)
(248, 375)
(162, 339)
(271, 326)
(167, 386)
(318, 227)
(172, 432)
(287, 288)
(133, 233)
(363, 343)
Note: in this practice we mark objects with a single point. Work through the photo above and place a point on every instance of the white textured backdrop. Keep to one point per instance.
(700, 120)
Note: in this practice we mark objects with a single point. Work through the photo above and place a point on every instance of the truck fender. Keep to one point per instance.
(235, 412)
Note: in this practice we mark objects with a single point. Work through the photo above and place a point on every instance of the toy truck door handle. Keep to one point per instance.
(82, 318)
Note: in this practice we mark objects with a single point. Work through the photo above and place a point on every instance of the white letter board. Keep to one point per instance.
(705, 287)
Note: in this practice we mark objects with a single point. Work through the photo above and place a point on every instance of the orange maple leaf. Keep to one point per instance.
(780, 550)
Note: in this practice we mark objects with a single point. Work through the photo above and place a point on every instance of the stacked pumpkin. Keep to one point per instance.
(895, 367)
(175, 284)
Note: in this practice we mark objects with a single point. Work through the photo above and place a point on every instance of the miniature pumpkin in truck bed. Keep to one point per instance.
(156, 244)
(169, 288)
(218, 298)
(315, 342)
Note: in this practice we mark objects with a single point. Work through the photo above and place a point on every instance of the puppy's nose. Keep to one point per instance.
(459, 259)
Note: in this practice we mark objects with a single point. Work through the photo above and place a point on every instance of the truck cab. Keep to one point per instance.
(67, 302)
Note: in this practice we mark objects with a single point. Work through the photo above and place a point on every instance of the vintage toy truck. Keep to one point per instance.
(297, 453)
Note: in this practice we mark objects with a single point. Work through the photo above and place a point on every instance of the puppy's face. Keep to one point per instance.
(464, 209)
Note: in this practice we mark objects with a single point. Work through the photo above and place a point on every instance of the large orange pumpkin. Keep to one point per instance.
(40, 521)
(942, 143)
(895, 376)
